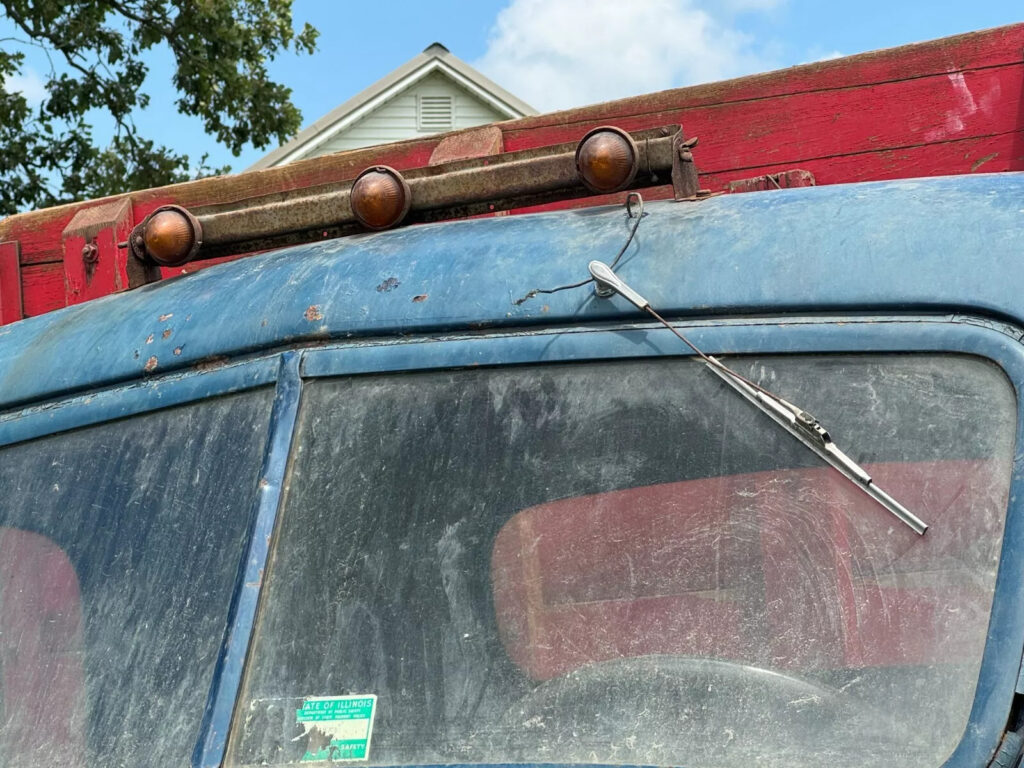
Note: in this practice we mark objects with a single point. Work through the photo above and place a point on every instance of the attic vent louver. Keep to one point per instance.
(434, 113)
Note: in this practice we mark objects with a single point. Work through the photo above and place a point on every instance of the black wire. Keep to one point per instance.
(629, 212)
(638, 216)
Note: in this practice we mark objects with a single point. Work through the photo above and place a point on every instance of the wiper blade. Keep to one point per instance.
(809, 431)
(798, 422)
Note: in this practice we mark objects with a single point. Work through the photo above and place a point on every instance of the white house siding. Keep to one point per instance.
(396, 118)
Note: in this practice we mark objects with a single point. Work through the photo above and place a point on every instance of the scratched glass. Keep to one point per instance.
(119, 546)
(625, 563)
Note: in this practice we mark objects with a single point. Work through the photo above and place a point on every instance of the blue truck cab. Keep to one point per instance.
(392, 499)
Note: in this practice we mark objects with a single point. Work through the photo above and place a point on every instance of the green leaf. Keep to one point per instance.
(220, 48)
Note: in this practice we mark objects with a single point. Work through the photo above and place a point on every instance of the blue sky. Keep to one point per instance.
(564, 53)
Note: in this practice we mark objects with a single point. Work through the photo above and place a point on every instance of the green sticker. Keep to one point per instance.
(338, 727)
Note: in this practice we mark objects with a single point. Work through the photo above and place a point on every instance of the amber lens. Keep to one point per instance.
(380, 198)
(606, 160)
(169, 238)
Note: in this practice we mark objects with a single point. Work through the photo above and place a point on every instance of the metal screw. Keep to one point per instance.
(90, 253)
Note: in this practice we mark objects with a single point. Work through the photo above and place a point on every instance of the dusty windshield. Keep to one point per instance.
(623, 562)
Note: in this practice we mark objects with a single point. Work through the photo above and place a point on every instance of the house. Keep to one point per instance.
(432, 93)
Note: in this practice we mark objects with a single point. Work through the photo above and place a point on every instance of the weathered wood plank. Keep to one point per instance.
(10, 284)
(795, 128)
(43, 286)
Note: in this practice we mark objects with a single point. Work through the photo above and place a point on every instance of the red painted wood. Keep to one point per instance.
(766, 182)
(945, 107)
(791, 129)
(101, 228)
(43, 288)
(10, 284)
(40, 241)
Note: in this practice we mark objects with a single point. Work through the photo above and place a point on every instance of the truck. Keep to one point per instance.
(707, 455)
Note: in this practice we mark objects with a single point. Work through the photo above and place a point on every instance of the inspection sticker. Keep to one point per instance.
(338, 727)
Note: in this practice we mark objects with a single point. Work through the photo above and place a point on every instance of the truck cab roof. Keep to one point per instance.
(930, 245)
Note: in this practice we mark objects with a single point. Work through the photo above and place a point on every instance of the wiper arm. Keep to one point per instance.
(798, 422)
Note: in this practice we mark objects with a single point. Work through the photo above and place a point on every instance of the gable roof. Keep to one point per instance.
(435, 58)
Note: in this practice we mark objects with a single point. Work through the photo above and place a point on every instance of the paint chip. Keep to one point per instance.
(313, 313)
(167, 334)
(980, 162)
(420, 297)
(150, 365)
(165, 318)
(149, 339)
(388, 285)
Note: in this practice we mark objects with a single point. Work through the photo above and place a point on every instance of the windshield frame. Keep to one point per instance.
(995, 341)
(866, 334)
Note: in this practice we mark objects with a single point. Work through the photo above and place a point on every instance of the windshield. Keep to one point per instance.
(624, 562)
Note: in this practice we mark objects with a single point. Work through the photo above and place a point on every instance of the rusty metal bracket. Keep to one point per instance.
(141, 270)
(685, 185)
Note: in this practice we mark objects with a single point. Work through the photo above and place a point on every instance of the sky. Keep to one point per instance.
(556, 54)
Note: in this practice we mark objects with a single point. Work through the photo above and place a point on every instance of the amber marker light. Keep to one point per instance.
(171, 236)
(606, 160)
(380, 197)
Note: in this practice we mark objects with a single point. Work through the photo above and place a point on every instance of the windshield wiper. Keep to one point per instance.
(798, 422)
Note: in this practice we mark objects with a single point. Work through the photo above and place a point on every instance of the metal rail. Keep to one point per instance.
(451, 190)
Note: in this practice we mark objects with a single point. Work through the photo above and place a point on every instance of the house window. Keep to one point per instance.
(434, 113)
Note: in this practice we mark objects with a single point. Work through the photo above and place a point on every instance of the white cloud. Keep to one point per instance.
(28, 83)
(816, 56)
(556, 54)
(739, 6)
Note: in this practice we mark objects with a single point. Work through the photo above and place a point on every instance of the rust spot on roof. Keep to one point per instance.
(149, 339)
(165, 318)
(150, 365)
(420, 297)
(313, 313)
(211, 363)
(177, 350)
(167, 334)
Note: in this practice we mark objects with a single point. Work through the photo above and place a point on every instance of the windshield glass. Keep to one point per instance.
(119, 546)
(624, 562)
